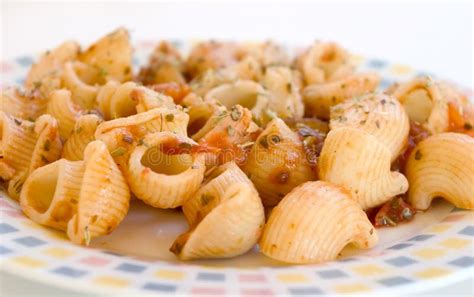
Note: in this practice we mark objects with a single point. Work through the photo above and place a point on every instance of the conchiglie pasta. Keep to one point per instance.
(313, 223)
(277, 163)
(248, 94)
(86, 198)
(199, 115)
(26, 146)
(84, 132)
(147, 99)
(283, 85)
(66, 112)
(324, 62)
(217, 180)
(210, 79)
(267, 53)
(23, 105)
(356, 160)
(424, 102)
(442, 166)
(50, 64)
(319, 98)
(115, 101)
(378, 114)
(164, 171)
(230, 228)
(111, 55)
(165, 65)
(83, 82)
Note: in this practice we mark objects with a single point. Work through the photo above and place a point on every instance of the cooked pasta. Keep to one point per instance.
(228, 134)
(82, 80)
(84, 132)
(165, 65)
(164, 171)
(324, 62)
(86, 198)
(283, 86)
(111, 55)
(26, 146)
(216, 182)
(378, 114)
(248, 94)
(277, 163)
(442, 166)
(66, 112)
(313, 223)
(26, 105)
(230, 228)
(356, 160)
(319, 98)
(424, 102)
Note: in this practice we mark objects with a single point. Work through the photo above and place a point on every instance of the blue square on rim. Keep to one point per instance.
(421, 237)
(400, 246)
(4, 250)
(469, 230)
(332, 273)
(25, 61)
(30, 241)
(69, 272)
(394, 281)
(401, 261)
(305, 291)
(376, 63)
(5, 228)
(463, 262)
(129, 267)
(159, 287)
(208, 276)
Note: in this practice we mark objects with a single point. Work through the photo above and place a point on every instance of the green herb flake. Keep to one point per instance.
(235, 113)
(47, 145)
(78, 130)
(87, 236)
(230, 130)
(289, 87)
(37, 84)
(17, 121)
(418, 155)
(185, 145)
(169, 117)
(263, 142)
(127, 138)
(120, 151)
(275, 139)
(206, 198)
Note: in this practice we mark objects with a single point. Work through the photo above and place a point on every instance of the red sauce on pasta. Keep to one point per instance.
(392, 213)
(174, 90)
(461, 120)
(417, 134)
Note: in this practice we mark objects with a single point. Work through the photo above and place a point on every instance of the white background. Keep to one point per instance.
(434, 37)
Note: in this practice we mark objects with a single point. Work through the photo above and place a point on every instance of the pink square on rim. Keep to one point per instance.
(257, 292)
(252, 278)
(208, 291)
(95, 261)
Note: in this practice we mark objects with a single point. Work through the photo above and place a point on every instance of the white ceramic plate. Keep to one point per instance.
(433, 250)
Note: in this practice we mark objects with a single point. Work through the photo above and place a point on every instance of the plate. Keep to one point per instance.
(433, 250)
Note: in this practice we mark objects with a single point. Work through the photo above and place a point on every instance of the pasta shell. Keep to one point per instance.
(148, 99)
(23, 105)
(442, 166)
(324, 62)
(82, 80)
(377, 114)
(267, 53)
(64, 110)
(246, 69)
(112, 55)
(424, 102)
(283, 85)
(50, 64)
(115, 100)
(246, 93)
(230, 229)
(319, 98)
(163, 171)
(51, 193)
(313, 223)
(216, 182)
(211, 79)
(104, 198)
(356, 160)
(199, 116)
(84, 132)
(277, 162)
(166, 65)
(86, 198)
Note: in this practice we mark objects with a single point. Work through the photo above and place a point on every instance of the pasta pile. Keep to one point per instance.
(302, 156)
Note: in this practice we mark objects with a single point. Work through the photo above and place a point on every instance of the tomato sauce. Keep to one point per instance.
(392, 213)
(174, 90)
(461, 120)
(417, 134)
